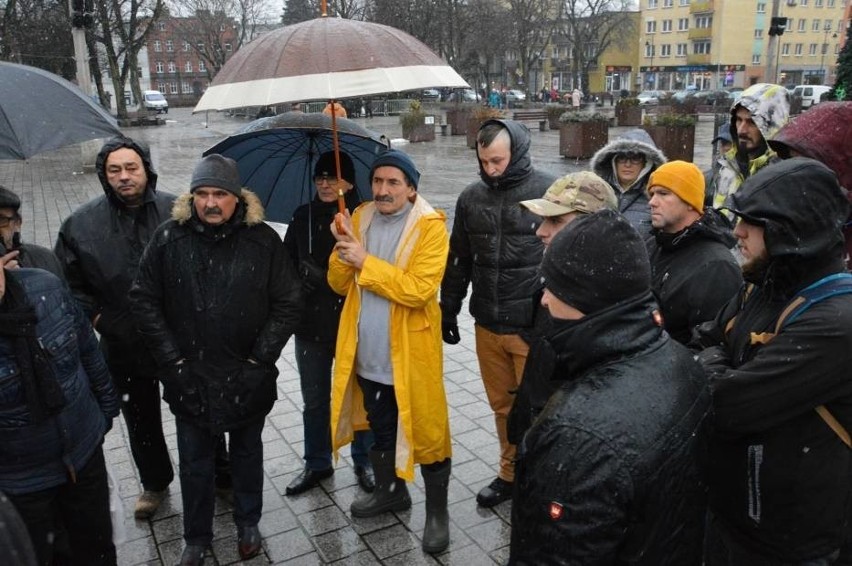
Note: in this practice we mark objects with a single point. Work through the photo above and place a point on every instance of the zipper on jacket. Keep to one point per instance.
(755, 459)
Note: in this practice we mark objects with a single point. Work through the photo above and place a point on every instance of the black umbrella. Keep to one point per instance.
(276, 157)
(41, 111)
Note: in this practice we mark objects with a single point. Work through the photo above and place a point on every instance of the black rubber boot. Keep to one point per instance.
(390, 493)
(436, 535)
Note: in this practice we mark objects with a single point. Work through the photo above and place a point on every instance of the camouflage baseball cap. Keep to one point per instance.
(575, 192)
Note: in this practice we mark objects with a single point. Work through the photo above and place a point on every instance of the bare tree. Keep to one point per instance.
(38, 33)
(533, 26)
(592, 27)
(481, 53)
(123, 27)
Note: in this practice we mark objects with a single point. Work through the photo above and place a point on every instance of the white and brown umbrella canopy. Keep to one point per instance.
(323, 59)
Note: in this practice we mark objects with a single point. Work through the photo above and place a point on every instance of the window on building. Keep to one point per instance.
(668, 3)
(227, 48)
(172, 67)
(827, 26)
(818, 3)
(683, 24)
(187, 67)
(812, 49)
(170, 45)
(173, 88)
(755, 59)
(652, 3)
(815, 24)
(161, 26)
(161, 87)
(667, 26)
(682, 49)
(157, 46)
(701, 48)
(200, 46)
(684, 2)
(761, 7)
(803, 2)
(666, 50)
(704, 22)
(830, 3)
(649, 50)
(186, 87)
(785, 49)
(159, 66)
(650, 26)
(802, 23)
(758, 33)
(186, 46)
(798, 51)
(201, 67)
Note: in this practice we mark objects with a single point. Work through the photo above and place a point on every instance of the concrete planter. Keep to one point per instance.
(457, 120)
(581, 140)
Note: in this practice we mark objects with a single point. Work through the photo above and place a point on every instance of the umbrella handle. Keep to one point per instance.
(341, 208)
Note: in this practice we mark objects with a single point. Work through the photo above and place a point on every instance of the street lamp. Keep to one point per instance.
(649, 47)
(826, 30)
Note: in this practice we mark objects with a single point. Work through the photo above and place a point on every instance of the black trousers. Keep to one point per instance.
(81, 507)
(140, 405)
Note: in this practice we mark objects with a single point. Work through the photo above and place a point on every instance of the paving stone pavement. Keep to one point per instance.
(314, 527)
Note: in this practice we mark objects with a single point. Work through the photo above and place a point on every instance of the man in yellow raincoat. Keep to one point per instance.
(388, 262)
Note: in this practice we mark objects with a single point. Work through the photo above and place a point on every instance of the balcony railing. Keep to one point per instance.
(701, 7)
(700, 33)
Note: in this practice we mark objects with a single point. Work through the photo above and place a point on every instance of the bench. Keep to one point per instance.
(533, 115)
(141, 118)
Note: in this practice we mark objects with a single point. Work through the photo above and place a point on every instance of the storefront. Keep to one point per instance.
(679, 77)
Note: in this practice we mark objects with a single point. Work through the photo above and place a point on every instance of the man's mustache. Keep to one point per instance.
(212, 210)
(386, 198)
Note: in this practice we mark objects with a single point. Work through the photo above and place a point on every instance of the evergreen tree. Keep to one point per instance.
(843, 85)
(297, 11)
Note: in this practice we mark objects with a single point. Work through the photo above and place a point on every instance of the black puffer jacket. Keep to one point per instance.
(608, 474)
(493, 244)
(779, 476)
(694, 273)
(217, 296)
(632, 200)
(99, 247)
(309, 242)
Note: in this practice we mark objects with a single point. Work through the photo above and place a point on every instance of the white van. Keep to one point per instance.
(810, 94)
(154, 100)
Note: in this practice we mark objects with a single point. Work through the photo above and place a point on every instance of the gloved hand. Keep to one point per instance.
(450, 330)
(312, 275)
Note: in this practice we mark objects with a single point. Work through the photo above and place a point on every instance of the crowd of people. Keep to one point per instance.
(665, 351)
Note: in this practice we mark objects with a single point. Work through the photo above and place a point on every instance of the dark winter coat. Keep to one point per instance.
(309, 242)
(779, 476)
(608, 474)
(35, 456)
(217, 297)
(99, 247)
(694, 273)
(632, 200)
(493, 244)
(32, 255)
(823, 133)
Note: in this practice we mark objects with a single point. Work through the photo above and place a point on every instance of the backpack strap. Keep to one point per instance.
(827, 287)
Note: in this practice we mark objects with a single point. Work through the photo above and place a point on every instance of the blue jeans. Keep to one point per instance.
(197, 455)
(314, 360)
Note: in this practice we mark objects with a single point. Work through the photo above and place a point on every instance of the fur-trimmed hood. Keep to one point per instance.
(633, 141)
(254, 213)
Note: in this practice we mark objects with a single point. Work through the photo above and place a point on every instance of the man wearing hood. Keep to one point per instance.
(823, 133)
(693, 271)
(778, 358)
(217, 298)
(626, 163)
(99, 247)
(494, 247)
(608, 473)
(756, 117)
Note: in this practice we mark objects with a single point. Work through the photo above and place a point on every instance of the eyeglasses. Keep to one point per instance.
(320, 179)
(6, 220)
(632, 158)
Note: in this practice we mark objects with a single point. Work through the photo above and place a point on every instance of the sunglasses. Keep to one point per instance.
(6, 220)
(633, 158)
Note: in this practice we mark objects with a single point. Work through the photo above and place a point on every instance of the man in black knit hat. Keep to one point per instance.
(216, 300)
(29, 255)
(608, 473)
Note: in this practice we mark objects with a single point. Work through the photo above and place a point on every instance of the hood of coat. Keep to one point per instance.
(769, 105)
(713, 225)
(821, 133)
(250, 203)
(520, 163)
(800, 205)
(119, 142)
(633, 141)
(620, 331)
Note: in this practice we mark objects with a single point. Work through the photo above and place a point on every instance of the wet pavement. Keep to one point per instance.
(314, 527)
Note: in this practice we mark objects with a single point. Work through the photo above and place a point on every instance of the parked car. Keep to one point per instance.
(463, 95)
(515, 97)
(810, 94)
(154, 101)
(430, 94)
(650, 96)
